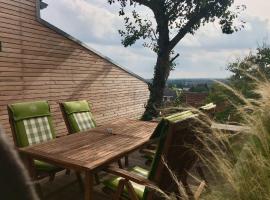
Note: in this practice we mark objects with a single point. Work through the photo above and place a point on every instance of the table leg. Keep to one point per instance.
(89, 184)
(80, 181)
(126, 161)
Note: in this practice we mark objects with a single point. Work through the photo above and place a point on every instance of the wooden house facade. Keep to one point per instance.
(40, 62)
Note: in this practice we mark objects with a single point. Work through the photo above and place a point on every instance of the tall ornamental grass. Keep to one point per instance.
(239, 164)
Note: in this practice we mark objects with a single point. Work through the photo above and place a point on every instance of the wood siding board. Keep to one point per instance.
(40, 62)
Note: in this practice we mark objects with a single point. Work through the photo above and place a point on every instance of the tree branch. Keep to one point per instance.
(173, 59)
(154, 34)
(143, 2)
(197, 16)
(171, 12)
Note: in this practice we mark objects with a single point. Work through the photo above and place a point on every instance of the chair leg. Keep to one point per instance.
(120, 188)
(51, 177)
(80, 181)
(120, 164)
(97, 179)
(131, 191)
(126, 161)
(67, 172)
(148, 162)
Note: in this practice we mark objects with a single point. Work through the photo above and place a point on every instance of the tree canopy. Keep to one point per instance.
(246, 73)
(180, 16)
(171, 20)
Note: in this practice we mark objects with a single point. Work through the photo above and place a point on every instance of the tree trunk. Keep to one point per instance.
(161, 74)
(162, 68)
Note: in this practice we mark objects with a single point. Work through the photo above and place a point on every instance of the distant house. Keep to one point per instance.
(169, 95)
(194, 99)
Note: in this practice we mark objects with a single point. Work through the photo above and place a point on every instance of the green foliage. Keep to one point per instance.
(224, 99)
(176, 18)
(174, 84)
(171, 20)
(245, 73)
(199, 88)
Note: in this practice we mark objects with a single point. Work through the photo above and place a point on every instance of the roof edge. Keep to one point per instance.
(68, 36)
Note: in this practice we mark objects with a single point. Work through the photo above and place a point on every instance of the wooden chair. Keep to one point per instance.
(149, 152)
(209, 109)
(31, 123)
(176, 137)
(78, 117)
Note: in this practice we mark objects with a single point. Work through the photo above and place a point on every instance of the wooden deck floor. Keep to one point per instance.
(66, 187)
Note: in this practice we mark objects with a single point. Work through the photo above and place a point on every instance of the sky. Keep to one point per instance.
(205, 54)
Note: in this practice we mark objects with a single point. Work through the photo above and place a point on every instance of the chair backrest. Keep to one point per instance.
(31, 123)
(209, 109)
(77, 116)
(208, 106)
(176, 133)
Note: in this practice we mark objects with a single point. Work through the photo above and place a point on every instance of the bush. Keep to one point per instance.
(245, 73)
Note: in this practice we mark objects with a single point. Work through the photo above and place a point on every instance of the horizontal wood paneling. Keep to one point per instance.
(36, 63)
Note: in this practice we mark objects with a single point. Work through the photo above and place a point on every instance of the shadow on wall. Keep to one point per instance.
(85, 84)
(77, 88)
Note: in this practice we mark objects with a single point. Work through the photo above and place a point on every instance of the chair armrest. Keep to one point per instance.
(156, 120)
(129, 176)
(148, 152)
(230, 128)
(153, 146)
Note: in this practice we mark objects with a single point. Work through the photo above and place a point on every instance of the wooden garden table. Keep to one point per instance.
(90, 151)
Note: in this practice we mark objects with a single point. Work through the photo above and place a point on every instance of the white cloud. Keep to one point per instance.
(83, 19)
(205, 54)
(206, 64)
(96, 20)
(256, 8)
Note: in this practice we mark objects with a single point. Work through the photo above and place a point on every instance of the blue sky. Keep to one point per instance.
(203, 55)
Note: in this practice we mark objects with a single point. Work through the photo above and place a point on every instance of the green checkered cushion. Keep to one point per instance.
(78, 116)
(31, 122)
(84, 120)
(37, 130)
